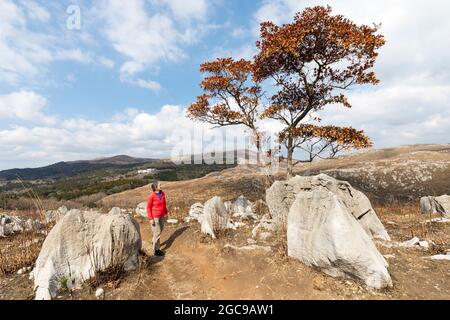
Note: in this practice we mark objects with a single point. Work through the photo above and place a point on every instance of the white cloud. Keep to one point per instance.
(73, 55)
(25, 52)
(239, 32)
(35, 11)
(143, 39)
(106, 62)
(187, 9)
(24, 105)
(246, 51)
(148, 84)
(398, 115)
(21, 51)
(132, 132)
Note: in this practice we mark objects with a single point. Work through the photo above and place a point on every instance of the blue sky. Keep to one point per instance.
(120, 83)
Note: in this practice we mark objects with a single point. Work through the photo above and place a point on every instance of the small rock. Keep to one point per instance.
(172, 221)
(21, 271)
(424, 244)
(265, 235)
(414, 241)
(251, 241)
(439, 257)
(99, 293)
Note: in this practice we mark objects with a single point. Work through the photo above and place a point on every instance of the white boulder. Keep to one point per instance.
(141, 209)
(215, 217)
(432, 205)
(55, 215)
(82, 243)
(243, 209)
(282, 194)
(99, 293)
(196, 211)
(321, 232)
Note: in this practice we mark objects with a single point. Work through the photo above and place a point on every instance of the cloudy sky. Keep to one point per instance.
(118, 80)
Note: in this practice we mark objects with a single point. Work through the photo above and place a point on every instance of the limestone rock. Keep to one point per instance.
(242, 208)
(82, 243)
(215, 217)
(321, 232)
(282, 194)
(99, 293)
(432, 205)
(55, 215)
(141, 209)
(196, 210)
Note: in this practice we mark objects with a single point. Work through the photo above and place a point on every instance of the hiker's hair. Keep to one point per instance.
(154, 185)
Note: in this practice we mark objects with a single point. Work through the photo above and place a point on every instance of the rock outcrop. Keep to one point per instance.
(215, 217)
(82, 243)
(323, 233)
(282, 194)
(432, 205)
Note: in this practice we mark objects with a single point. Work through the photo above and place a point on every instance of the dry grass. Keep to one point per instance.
(19, 251)
(22, 250)
(409, 223)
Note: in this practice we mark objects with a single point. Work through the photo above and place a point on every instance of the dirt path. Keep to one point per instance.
(195, 270)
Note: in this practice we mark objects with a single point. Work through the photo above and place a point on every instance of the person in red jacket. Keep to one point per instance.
(157, 214)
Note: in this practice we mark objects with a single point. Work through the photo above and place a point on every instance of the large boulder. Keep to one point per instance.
(321, 232)
(282, 194)
(82, 243)
(215, 217)
(141, 209)
(432, 205)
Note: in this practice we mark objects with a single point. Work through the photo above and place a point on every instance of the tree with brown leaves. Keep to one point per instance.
(313, 61)
(324, 142)
(231, 96)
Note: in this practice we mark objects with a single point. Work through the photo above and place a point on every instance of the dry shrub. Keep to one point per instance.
(19, 251)
(412, 223)
(280, 243)
(219, 225)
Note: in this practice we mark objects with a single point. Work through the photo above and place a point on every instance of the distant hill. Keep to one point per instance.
(72, 168)
(390, 174)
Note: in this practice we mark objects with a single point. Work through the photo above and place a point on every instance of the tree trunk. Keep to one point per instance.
(290, 154)
(258, 148)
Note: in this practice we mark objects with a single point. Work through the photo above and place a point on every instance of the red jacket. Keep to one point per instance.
(156, 206)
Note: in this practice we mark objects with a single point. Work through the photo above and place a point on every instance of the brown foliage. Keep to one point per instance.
(316, 140)
(231, 96)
